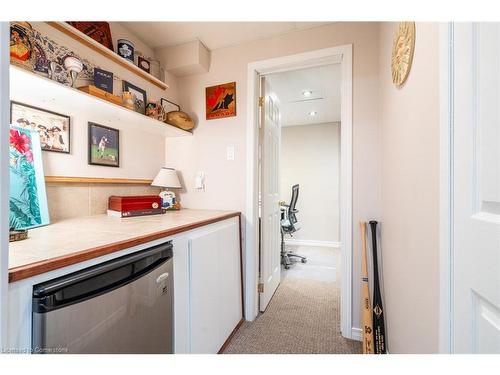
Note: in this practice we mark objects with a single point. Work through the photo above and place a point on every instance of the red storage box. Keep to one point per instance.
(135, 205)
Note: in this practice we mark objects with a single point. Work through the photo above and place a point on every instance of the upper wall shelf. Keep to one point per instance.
(106, 52)
(33, 89)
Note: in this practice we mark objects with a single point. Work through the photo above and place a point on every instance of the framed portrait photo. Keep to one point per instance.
(139, 96)
(54, 128)
(104, 145)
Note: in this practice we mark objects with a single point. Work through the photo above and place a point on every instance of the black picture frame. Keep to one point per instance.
(93, 141)
(127, 86)
(46, 111)
(169, 106)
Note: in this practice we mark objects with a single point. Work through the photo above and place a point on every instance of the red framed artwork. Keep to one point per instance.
(220, 101)
(99, 31)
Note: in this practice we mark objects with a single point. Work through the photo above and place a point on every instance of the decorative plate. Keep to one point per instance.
(402, 52)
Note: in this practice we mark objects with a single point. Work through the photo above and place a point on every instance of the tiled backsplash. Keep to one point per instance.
(67, 201)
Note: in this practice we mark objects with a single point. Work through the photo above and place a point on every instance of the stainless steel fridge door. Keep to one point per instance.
(134, 318)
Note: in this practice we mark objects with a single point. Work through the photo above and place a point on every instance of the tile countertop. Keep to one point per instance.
(72, 241)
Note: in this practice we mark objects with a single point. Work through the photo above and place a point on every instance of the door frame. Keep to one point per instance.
(446, 51)
(4, 178)
(340, 54)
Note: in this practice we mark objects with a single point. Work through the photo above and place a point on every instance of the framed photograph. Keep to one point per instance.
(220, 101)
(27, 195)
(139, 96)
(104, 145)
(54, 128)
(99, 31)
(169, 106)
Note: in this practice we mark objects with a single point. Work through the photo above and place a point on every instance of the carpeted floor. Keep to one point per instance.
(303, 316)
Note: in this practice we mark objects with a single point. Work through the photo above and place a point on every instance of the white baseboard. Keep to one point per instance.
(297, 242)
(356, 334)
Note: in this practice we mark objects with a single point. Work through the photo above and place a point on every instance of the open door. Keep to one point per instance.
(475, 263)
(270, 214)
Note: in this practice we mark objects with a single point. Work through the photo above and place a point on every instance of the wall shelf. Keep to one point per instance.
(106, 52)
(96, 180)
(30, 88)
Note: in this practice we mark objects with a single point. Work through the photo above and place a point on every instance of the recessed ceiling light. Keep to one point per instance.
(312, 113)
(307, 93)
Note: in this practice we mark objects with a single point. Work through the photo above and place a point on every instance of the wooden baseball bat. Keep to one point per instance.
(378, 309)
(366, 311)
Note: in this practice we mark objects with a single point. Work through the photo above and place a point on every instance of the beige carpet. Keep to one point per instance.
(303, 317)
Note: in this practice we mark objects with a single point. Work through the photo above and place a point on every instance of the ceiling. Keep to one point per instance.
(212, 34)
(324, 84)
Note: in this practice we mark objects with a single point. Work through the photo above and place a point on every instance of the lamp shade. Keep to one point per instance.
(167, 177)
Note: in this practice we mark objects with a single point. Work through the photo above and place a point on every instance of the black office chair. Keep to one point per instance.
(289, 225)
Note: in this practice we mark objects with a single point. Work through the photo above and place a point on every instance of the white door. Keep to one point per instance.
(270, 135)
(475, 293)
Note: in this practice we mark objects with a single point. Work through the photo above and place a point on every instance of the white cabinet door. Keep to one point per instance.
(229, 280)
(203, 296)
(214, 286)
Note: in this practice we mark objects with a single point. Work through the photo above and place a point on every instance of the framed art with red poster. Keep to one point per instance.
(220, 101)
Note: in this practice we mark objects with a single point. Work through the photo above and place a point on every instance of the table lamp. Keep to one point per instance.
(167, 178)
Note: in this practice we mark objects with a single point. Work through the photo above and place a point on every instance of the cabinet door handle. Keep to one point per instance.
(162, 277)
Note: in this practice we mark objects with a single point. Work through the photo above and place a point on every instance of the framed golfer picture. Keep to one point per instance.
(54, 128)
(104, 145)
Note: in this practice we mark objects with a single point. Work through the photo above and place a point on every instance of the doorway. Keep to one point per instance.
(310, 158)
(342, 56)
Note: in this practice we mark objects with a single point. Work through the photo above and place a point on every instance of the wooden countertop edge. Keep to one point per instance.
(37, 268)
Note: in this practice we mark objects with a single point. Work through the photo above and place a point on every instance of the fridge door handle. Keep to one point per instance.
(162, 277)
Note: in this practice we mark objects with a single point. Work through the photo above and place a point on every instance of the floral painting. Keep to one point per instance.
(27, 197)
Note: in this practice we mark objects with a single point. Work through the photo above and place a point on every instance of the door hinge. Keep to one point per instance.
(260, 288)
(261, 101)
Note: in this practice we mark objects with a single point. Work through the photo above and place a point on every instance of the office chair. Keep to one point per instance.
(289, 225)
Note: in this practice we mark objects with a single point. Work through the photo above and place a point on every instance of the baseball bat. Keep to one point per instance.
(366, 312)
(378, 309)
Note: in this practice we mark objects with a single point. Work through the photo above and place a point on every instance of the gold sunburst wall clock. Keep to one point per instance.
(402, 52)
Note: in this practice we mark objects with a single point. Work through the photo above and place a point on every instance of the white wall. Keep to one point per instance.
(4, 181)
(206, 150)
(310, 157)
(410, 192)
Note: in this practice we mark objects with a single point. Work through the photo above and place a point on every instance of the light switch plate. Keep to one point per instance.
(230, 153)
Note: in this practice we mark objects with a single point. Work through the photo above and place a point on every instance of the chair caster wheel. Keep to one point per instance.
(287, 267)
(303, 260)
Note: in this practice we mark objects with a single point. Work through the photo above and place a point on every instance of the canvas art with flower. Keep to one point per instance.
(27, 197)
